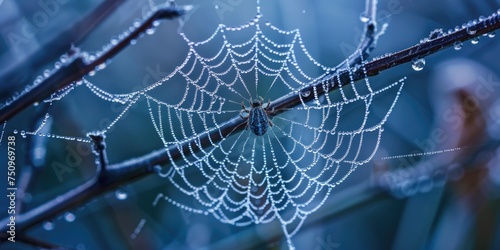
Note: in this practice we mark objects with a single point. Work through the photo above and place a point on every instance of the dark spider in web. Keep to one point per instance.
(257, 115)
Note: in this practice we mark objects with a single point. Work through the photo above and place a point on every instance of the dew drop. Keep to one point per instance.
(101, 66)
(92, 73)
(364, 18)
(457, 45)
(64, 58)
(137, 23)
(418, 64)
(475, 40)
(114, 41)
(150, 31)
(23, 133)
(133, 41)
(491, 34)
(156, 23)
(38, 80)
(48, 225)
(57, 65)
(36, 104)
(120, 194)
(470, 28)
(15, 131)
(306, 93)
(69, 216)
(46, 73)
(436, 33)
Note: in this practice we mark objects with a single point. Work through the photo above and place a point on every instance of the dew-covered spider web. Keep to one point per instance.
(285, 174)
(243, 179)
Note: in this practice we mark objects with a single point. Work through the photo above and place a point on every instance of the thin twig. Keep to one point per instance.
(79, 65)
(58, 45)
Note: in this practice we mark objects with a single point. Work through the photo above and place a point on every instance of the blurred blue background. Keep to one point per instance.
(449, 200)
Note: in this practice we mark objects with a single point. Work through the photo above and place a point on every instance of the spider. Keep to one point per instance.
(257, 116)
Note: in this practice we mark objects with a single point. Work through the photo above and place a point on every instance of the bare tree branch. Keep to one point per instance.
(78, 65)
(60, 44)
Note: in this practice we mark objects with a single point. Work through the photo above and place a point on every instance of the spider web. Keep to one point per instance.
(285, 174)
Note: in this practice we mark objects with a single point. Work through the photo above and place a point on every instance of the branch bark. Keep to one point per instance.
(130, 170)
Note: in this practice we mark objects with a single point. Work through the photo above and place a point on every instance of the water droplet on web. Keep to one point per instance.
(35, 104)
(133, 42)
(120, 194)
(418, 64)
(48, 225)
(15, 131)
(471, 30)
(475, 40)
(69, 216)
(306, 93)
(364, 17)
(92, 73)
(23, 133)
(57, 65)
(457, 45)
(46, 73)
(491, 34)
